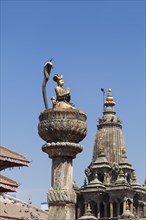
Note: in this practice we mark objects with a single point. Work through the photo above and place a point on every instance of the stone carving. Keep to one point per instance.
(89, 173)
(109, 121)
(114, 172)
(60, 125)
(61, 196)
(106, 178)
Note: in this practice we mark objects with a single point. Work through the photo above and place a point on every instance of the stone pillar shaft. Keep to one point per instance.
(105, 210)
(124, 206)
(111, 210)
(144, 210)
(118, 209)
(98, 210)
(62, 173)
(131, 207)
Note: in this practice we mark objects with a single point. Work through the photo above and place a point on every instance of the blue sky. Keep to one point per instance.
(93, 44)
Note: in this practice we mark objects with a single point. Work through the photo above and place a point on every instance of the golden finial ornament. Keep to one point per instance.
(109, 99)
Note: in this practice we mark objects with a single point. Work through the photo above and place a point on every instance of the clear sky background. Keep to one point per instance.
(94, 44)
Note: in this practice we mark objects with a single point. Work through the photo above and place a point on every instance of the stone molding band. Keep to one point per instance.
(62, 149)
(66, 196)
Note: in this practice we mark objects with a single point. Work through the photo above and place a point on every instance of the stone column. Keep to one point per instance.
(111, 210)
(131, 207)
(144, 210)
(118, 209)
(98, 210)
(105, 210)
(61, 196)
(124, 206)
(62, 129)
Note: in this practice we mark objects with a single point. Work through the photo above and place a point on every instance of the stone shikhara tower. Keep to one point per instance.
(112, 190)
(62, 127)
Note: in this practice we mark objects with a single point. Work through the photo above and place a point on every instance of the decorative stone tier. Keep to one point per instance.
(61, 196)
(62, 125)
(65, 149)
(109, 124)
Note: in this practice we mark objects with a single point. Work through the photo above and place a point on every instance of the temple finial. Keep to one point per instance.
(109, 99)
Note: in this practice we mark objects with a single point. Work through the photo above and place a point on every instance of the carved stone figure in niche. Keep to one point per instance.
(101, 120)
(89, 173)
(101, 149)
(115, 167)
(123, 150)
(106, 178)
(62, 96)
(114, 172)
